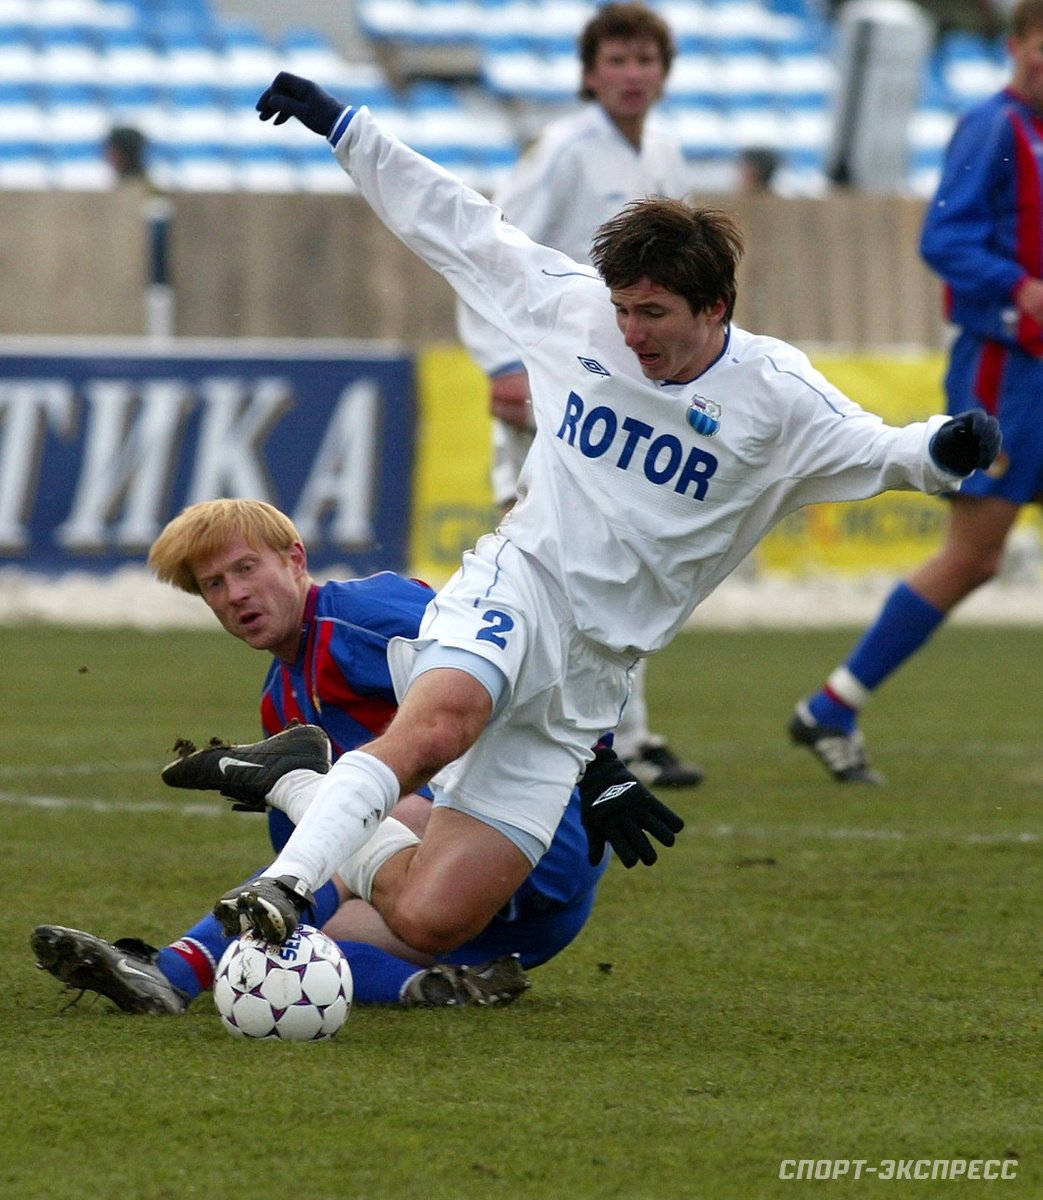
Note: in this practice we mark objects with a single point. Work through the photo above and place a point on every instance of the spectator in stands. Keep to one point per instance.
(125, 149)
(580, 172)
(981, 235)
(757, 169)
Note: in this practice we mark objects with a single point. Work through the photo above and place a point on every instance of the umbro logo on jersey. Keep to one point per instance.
(594, 367)
(225, 762)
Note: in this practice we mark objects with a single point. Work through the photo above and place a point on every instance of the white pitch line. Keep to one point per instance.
(864, 835)
(201, 808)
(193, 808)
(62, 770)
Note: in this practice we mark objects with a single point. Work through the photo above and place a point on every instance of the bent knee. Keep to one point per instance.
(432, 930)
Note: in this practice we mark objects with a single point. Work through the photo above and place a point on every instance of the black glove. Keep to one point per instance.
(618, 809)
(967, 442)
(292, 96)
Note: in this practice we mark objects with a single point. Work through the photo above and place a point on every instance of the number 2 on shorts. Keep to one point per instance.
(497, 624)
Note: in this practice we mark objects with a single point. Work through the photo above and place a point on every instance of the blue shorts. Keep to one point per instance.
(1008, 383)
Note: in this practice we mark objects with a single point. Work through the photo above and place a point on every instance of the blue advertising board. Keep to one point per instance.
(103, 441)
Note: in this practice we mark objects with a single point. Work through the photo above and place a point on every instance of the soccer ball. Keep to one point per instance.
(299, 991)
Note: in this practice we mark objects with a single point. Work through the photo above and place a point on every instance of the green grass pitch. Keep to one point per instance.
(811, 973)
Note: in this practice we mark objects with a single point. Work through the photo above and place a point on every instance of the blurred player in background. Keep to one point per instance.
(329, 672)
(582, 169)
(983, 234)
(668, 442)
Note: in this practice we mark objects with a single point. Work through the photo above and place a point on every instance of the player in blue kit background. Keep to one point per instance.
(330, 672)
(668, 441)
(983, 234)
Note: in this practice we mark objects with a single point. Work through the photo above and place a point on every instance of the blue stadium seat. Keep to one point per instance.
(22, 118)
(18, 57)
(128, 56)
(187, 56)
(745, 68)
(74, 113)
(23, 165)
(196, 167)
(755, 124)
(317, 170)
(67, 53)
(266, 168)
(971, 68)
(195, 114)
(78, 165)
(309, 53)
(247, 57)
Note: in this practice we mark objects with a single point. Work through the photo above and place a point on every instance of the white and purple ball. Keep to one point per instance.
(299, 991)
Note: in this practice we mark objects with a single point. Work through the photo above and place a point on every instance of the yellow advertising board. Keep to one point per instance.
(452, 497)
(888, 534)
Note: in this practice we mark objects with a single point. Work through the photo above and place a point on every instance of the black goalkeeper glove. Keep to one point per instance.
(292, 96)
(967, 442)
(618, 809)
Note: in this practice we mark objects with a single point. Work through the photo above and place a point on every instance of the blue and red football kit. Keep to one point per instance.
(983, 234)
(341, 682)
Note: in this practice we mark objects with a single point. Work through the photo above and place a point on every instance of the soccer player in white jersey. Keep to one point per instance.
(668, 441)
(580, 171)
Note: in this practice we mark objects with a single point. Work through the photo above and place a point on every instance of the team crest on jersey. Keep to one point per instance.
(704, 416)
(593, 366)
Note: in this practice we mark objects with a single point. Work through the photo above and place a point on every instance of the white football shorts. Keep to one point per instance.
(564, 691)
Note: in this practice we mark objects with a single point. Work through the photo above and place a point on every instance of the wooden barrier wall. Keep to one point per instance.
(843, 271)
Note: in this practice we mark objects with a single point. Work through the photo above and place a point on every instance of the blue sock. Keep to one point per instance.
(190, 962)
(379, 976)
(905, 623)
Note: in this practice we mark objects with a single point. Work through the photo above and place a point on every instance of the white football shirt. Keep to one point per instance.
(634, 513)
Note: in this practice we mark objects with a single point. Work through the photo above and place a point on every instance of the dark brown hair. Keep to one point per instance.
(691, 251)
(627, 21)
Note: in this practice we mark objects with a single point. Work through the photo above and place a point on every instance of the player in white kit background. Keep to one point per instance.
(580, 172)
(668, 441)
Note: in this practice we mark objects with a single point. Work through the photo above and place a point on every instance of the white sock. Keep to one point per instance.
(346, 810)
(359, 871)
(847, 688)
(294, 792)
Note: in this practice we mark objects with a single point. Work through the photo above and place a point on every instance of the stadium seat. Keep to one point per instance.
(19, 61)
(23, 165)
(744, 69)
(309, 53)
(317, 170)
(757, 124)
(128, 56)
(692, 78)
(701, 128)
(971, 67)
(139, 105)
(74, 113)
(805, 124)
(246, 57)
(804, 70)
(265, 168)
(22, 118)
(196, 167)
(195, 114)
(67, 54)
(78, 166)
(187, 56)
